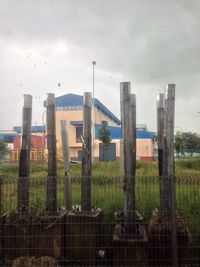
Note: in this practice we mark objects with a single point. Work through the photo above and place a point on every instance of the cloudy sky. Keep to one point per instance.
(148, 42)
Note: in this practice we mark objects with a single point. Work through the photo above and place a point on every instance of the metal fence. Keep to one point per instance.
(76, 238)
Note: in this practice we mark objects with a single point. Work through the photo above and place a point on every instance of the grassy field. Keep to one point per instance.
(183, 167)
(107, 190)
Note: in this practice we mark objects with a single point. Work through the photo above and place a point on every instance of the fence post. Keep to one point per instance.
(24, 161)
(130, 226)
(86, 157)
(66, 161)
(51, 145)
(160, 128)
(169, 203)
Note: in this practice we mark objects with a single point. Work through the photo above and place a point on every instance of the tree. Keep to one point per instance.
(3, 150)
(187, 142)
(192, 143)
(180, 143)
(104, 137)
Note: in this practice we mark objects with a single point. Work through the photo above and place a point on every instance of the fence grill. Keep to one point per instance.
(38, 236)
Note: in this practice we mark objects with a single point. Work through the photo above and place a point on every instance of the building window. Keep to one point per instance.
(79, 132)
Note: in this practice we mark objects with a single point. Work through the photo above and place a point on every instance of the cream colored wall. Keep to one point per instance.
(99, 117)
(77, 115)
(68, 115)
(144, 148)
(74, 151)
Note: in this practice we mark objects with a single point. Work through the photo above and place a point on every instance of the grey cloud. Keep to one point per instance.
(152, 42)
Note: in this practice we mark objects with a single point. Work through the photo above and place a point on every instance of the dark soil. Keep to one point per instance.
(160, 239)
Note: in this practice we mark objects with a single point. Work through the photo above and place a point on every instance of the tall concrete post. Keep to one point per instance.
(128, 121)
(160, 128)
(24, 161)
(66, 161)
(133, 108)
(87, 153)
(51, 146)
(169, 194)
(168, 148)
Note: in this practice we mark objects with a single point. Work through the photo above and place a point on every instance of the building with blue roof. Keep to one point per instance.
(73, 101)
(7, 137)
(69, 107)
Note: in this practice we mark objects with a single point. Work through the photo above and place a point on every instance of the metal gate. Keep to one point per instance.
(107, 154)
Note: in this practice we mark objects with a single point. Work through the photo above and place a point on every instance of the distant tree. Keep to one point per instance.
(187, 142)
(192, 143)
(3, 150)
(104, 137)
(180, 143)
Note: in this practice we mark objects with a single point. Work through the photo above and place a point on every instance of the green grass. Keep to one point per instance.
(184, 167)
(107, 190)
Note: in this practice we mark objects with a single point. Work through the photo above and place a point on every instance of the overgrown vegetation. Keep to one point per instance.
(187, 143)
(3, 150)
(184, 167)
(108, 180)
(104, 137)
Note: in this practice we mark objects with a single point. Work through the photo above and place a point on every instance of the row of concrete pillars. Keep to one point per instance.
(130, 226)
(165, 119)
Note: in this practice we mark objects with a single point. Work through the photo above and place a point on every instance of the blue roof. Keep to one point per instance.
(69, 100)
(77, 100)
(37, 128)
(145, 134)
(7, 137)
(115, 132)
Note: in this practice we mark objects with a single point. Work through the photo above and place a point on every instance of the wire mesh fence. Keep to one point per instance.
(93, 238)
